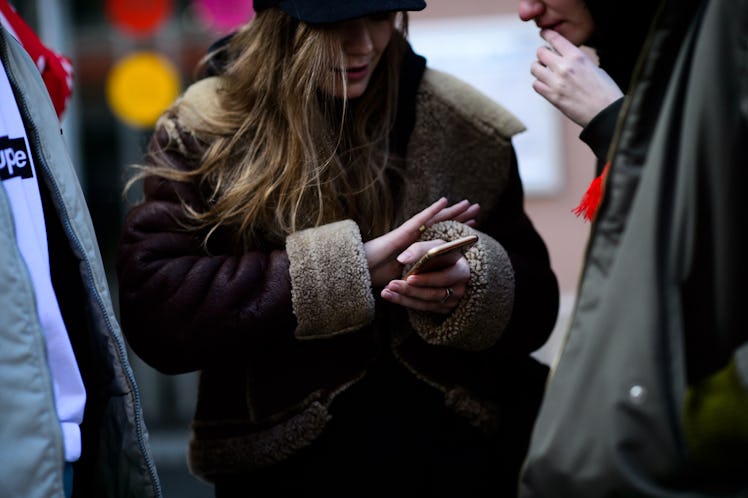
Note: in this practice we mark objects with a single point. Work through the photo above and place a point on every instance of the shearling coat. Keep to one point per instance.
(279, 333)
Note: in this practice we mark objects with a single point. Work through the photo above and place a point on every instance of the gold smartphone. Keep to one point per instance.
(430, 260)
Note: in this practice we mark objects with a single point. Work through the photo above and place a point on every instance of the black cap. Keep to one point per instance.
(329, 11)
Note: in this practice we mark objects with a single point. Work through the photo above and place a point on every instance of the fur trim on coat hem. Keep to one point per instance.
(213, 456)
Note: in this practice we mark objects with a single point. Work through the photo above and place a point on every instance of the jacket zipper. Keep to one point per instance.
(33, 133)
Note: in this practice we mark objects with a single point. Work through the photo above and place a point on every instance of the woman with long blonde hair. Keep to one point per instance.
(287, 193)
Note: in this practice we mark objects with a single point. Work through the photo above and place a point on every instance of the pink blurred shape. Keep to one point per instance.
(223, 16)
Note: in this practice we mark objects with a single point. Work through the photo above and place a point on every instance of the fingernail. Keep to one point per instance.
(394, 287)
(404, 257)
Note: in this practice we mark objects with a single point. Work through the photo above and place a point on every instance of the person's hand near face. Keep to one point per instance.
(565, 75)
(567, 78)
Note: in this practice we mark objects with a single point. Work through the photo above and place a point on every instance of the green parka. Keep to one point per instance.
(650, 393)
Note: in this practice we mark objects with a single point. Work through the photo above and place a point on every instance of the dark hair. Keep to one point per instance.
(620, 32)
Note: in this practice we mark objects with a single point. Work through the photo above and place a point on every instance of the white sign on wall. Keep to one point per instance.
(494, 54)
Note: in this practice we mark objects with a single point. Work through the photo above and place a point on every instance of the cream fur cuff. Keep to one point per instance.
(485, 309)
(330, 280)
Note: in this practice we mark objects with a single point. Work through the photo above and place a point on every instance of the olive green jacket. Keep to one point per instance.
(650, 394)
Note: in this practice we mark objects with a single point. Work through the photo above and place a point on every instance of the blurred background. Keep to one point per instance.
(133, 57)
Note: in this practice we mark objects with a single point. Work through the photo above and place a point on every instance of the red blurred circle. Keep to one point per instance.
(139, 17)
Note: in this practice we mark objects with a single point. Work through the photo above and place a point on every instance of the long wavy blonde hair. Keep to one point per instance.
(285, 156)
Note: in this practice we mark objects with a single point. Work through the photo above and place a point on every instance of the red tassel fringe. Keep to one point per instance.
(587, 207)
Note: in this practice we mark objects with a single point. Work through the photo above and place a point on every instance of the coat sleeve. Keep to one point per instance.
(483, 312)
(536, 292)
(599, 131)
(512, 297)
(184, 308)
(461, 147)
(331, 283)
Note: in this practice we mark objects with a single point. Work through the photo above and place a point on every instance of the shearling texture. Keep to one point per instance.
(471, 102)
(331, 284)
(200, 106)
(211, 456)
(462, 130)
(480, 414)
(197, 108)
(484, 311)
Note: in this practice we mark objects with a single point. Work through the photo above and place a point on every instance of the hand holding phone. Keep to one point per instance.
(435, 257)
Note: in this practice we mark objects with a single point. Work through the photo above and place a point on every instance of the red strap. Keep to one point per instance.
(56, 69)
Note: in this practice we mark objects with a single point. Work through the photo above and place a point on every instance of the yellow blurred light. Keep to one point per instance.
(140, 87)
